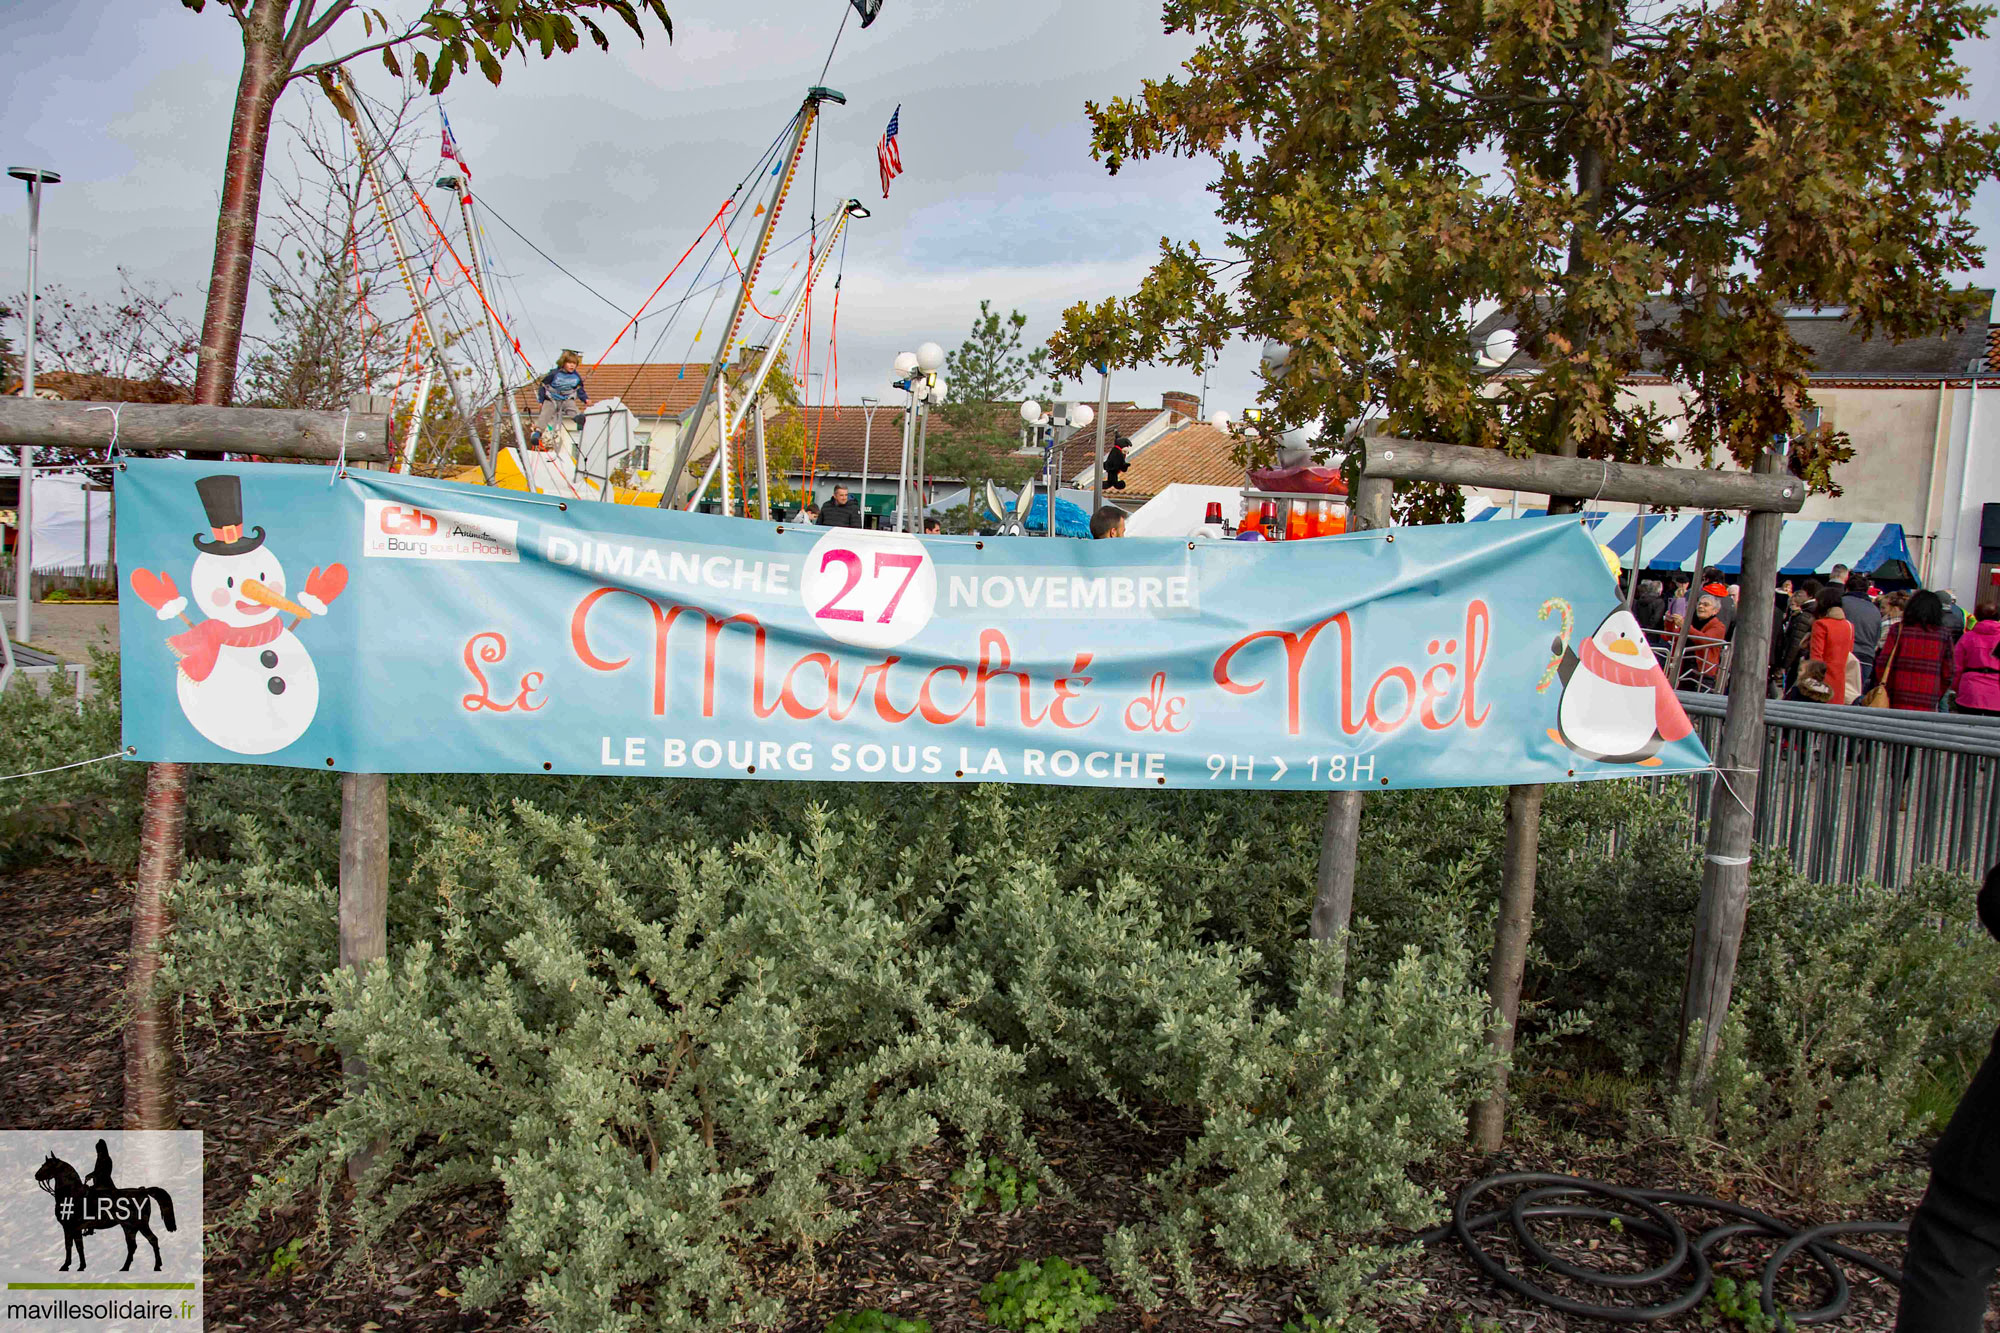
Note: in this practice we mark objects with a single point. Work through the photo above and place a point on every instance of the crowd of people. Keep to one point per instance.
(1838, 640)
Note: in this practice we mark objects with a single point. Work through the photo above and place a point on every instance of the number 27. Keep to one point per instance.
(833, 610)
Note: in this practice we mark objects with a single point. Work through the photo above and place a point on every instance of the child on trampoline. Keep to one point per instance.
(560, 392)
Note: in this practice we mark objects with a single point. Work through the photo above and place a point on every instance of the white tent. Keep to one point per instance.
(1177, 511)
(72, 522)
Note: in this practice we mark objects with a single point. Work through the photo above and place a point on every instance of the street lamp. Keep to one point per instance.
(24, 555)
(916, 374)
(1076, 418)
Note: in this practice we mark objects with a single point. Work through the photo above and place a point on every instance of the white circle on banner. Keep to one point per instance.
(872, 589)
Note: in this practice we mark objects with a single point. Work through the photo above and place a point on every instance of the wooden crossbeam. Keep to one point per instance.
(269, 432)
(1586, 478)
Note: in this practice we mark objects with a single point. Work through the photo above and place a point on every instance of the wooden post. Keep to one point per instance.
(1512, 929)
(1511, 933)
(270, 432)
(1340, 833)
(150, 1097)
(1732, 806)
(364, 896)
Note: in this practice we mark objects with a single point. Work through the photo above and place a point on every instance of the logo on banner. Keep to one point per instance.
(67, 1198)
(410, 532)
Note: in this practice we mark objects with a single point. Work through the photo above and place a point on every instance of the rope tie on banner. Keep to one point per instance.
(1723, 774)
(340, 464)
(35, 773)
(111, 449)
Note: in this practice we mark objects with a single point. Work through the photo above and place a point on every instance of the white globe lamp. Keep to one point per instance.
(906, 362)
(930, 358)
(1082, 415)
(1220, 421)
(1675, 430)
(1031, 412)
(937, 389)
(1500, 347)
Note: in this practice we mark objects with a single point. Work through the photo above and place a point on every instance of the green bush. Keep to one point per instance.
(662, 1017)
(1047, 1297)
(88, 811)
(875, 1321)
(997, 1179)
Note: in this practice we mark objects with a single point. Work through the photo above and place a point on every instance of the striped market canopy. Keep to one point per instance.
(1805, 546)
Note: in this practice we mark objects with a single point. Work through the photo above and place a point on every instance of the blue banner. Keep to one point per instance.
(391, 624)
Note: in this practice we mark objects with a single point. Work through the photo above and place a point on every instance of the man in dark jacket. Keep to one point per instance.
(841, 511)
(1866, 619)
(1954, 1244)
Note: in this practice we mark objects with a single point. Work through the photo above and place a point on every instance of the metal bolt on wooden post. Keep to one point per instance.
(364, 898)
(1732, 808)
(1340, 833)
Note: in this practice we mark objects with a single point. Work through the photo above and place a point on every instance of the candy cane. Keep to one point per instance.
(1568, 624)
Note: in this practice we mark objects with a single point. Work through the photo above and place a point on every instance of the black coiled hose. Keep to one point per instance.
(1642, 1211)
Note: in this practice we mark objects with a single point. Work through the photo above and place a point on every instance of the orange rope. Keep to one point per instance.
(748, 294)
(446, 240)
(669, 278)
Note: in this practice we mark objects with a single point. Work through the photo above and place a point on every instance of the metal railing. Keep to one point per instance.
(1866, 794)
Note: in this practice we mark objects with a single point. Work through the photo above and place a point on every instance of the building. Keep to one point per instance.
(1925, 455)
(844, 450)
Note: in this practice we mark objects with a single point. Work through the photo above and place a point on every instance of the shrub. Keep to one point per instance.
(875, 1321)
(1047, 1297)
(997, 1179)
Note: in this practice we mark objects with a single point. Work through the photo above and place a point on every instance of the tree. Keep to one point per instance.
(328, 271)
(445, 39)
(1668, 182)
(986, 377)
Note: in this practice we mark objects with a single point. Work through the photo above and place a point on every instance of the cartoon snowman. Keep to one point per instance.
(245, 680)
(1616, 706)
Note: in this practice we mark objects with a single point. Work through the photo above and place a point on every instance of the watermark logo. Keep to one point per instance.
(100, 1230)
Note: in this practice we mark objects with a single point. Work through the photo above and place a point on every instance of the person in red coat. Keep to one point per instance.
(1833, 644)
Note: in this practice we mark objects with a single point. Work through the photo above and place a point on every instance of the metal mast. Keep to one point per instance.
(808, 113)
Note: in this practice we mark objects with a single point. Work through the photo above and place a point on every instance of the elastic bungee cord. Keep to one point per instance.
(1641, 1211)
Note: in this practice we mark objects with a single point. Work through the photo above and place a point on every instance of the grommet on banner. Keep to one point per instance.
(329, 761)
(547, 766)
(751, 769)
(979, 546)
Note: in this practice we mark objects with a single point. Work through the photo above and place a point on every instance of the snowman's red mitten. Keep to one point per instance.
(322, 586)
(158, 591)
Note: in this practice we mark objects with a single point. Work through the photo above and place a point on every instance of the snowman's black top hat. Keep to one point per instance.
(222, 498)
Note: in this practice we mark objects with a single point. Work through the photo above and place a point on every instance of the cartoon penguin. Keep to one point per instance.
(1617, 706)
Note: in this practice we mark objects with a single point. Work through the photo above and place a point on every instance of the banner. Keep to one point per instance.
(389, 624)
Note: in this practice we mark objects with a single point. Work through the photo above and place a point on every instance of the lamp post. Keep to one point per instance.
(868, 406)
(24, 542)
(1076, 418)
(917, 376)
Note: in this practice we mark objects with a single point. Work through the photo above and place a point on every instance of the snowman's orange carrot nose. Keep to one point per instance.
(257, 592)
(1625, 646)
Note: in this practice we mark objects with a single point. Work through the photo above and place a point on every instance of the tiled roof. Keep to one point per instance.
(1196, 452)
(80, 386)
(650, 389)
(1993, 349)
(840, 432)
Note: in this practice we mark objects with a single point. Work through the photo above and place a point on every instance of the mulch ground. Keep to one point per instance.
(913, 1252)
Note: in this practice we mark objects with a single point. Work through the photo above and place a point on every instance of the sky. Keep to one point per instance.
(613, 162)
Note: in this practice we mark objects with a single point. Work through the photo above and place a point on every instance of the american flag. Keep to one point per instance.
(449, 148)
(885, 153)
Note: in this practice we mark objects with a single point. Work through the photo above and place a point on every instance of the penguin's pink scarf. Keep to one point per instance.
(201, 646)
(1669, 718)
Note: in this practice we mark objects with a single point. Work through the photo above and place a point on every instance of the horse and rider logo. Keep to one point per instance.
(84, 1204)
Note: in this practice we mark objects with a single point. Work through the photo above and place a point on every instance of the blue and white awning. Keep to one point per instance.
(1805, 546)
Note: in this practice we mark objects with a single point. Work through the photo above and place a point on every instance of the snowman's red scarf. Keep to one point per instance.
(1669, 718)
(202, 645)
